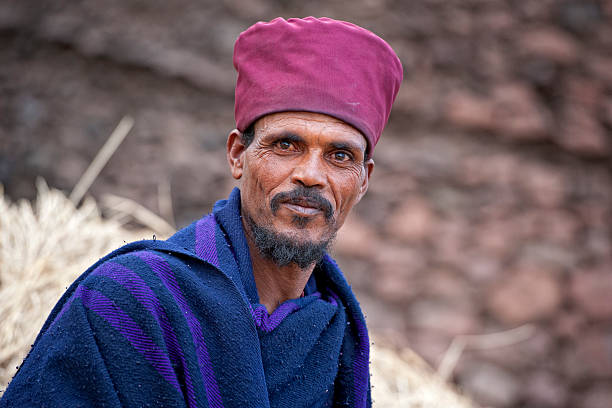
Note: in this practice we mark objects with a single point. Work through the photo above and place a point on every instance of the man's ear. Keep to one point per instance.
(368, 169)
(235, 153)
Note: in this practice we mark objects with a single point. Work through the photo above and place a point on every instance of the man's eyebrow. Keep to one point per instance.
(346, 146)
(288, 136)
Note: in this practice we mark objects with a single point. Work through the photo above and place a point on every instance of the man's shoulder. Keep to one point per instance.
(143, 263)
(132, 266)
(137, 283)
(151, 263)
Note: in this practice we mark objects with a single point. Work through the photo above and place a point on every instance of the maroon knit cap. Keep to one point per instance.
(316, 65)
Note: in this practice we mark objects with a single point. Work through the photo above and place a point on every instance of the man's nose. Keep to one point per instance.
(310, 171)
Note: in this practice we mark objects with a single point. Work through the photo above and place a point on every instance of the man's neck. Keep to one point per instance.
(276, 284)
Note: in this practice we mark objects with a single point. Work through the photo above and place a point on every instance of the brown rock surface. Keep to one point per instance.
(443, 317)
(451, 241)
(495, 238)
(394, 285)
(590, 358)
(607, 111)
(582, 133)
(496, 169)
(545, 185)
(356, 238)
(591, 290)
(597, 396)
(548, 43)
(517, 113)
(545, 389)
(570, 325)
(584, 91)
(447, 284)
(470, 111)
(525, 295)
(412, 221)
(600, 67)
(512, 110)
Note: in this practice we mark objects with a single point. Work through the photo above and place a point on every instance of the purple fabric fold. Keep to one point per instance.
(145, 296)
(205, 245)
(120, 321)
(163, 270)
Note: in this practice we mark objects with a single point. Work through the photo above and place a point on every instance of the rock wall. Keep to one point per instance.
(491, 200)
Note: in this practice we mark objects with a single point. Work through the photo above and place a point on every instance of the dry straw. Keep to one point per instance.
(401, 379)
(44, 246)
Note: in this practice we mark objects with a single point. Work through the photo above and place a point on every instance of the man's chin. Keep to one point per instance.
(303, 231)
(290, 244)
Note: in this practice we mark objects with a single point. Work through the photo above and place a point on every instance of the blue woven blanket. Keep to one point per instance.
(178, 323)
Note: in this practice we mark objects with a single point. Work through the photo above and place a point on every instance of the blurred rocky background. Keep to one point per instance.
(490, 205)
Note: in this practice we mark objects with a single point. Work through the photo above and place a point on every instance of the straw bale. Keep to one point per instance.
(403, 379)
(44, 246)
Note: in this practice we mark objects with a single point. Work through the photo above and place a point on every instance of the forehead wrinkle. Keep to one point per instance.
(294, 122)
(298, 118)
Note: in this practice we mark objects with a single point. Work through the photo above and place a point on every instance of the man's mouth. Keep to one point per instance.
(303, 202)
(303, 207)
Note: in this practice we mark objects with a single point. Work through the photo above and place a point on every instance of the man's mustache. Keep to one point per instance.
(301, 195)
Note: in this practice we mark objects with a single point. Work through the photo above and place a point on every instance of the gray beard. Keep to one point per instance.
(283, 249)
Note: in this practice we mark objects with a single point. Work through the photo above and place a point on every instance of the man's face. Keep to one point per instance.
(301, 175)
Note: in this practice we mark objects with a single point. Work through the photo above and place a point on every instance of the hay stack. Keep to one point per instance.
(402, 379)
(45, 246)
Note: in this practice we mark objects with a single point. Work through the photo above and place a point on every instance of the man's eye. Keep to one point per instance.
(283, 145)
(342, 156)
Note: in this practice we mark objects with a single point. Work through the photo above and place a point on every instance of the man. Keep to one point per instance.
(243, 308)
